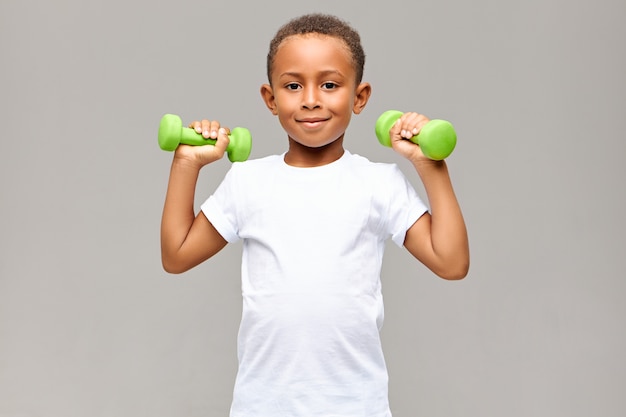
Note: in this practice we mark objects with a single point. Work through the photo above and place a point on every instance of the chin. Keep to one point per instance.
(315, 144)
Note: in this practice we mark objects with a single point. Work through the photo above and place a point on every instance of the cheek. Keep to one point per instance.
(286, 103)
(348, 106)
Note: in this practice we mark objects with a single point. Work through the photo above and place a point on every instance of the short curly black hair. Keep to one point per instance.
(322, 24)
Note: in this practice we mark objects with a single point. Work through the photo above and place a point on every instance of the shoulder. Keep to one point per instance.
(259, 163)
(378, 170)
(385, 181)
(254, 167)
(248, 179)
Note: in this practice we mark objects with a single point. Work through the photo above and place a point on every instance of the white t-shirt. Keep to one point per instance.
(313, 242)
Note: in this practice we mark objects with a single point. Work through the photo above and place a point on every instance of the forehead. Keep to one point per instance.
(312, 48)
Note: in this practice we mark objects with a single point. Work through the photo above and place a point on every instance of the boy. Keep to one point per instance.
(314, 222)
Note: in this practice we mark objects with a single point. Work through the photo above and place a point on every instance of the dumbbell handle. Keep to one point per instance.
(189, 136)
(436, 139)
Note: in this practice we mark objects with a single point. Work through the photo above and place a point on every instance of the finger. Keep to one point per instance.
(214, 129)
(412, 124)
(407, 126)
(396, 129)
(222, 140)
(206, 128)
(196, 125)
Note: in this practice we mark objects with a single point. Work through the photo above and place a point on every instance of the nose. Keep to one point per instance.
(310, 98)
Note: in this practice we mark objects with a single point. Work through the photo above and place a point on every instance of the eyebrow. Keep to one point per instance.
(322, 73)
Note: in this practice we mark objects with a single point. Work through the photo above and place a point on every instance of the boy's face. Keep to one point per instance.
(313, 90)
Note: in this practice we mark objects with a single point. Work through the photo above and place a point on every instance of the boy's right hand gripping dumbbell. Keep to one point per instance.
(210, 130)
(237, 144)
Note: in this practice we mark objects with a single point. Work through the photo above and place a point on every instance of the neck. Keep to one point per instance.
(302, 156)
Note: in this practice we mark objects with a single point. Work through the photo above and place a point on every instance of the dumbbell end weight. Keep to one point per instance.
(383, 126)
(437, 139)
(240, 144)
(172, 133)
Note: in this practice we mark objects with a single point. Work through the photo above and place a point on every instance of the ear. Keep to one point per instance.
(267, 94)
(361, 96)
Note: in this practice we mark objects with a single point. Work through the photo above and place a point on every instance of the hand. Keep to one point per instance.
(407, 126)
(206, 154)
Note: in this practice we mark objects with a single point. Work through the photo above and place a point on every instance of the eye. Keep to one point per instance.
(329, 85)
(292, 86)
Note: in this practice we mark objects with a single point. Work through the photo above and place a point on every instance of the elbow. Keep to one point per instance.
(453, 276)
(454, 272)
(454, 267)
(173, 267)
(175, 261)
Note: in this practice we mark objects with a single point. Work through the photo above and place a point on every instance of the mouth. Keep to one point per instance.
(312, 122)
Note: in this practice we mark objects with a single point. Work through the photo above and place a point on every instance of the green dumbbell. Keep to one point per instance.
(172, 133)
(437, 138)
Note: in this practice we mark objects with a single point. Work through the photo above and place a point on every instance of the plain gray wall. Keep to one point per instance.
(90, 325)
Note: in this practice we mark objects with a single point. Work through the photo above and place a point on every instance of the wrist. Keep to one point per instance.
(187, 162)
(423, 163)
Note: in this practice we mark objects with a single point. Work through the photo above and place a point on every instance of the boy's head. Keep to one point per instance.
(324, 25)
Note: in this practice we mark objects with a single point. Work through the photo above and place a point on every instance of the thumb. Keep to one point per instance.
(222, 140)
(395, 133)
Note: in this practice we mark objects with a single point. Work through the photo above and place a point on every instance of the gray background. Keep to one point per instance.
(90, 325)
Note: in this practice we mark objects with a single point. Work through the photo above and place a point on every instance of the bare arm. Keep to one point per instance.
(186, 239)
(439, 239)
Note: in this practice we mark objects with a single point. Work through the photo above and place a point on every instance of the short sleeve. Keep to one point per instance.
(405, 206)
(221, 207)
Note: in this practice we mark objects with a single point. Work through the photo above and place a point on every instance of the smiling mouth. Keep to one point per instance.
(312, 122)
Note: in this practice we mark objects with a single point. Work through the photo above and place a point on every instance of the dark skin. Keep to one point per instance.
(314, 102)
(314, 94)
